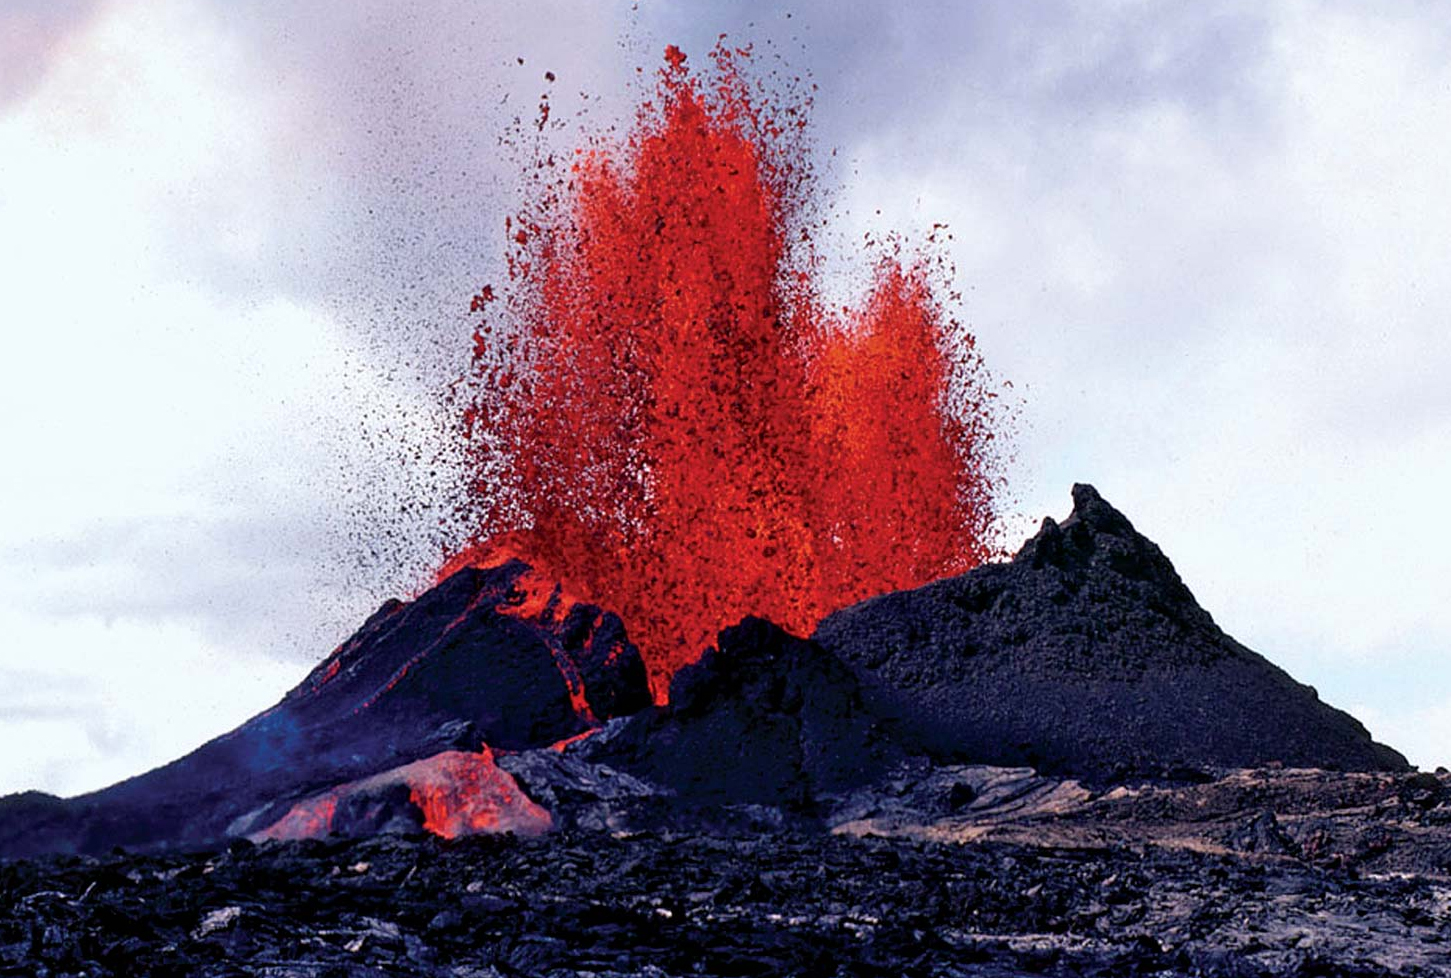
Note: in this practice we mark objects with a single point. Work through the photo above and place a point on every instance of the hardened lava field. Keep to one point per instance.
(653, 905)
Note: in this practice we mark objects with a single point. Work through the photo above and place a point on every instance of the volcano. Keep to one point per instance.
(480, 782)
(1084, 656)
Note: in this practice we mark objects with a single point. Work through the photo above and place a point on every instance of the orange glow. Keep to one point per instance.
(330, 670)
(559, 745)
(685, 434)
(456, 793)
(465, 794)
(310, 819)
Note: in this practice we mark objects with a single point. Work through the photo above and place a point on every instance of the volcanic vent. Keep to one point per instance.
(665, 412)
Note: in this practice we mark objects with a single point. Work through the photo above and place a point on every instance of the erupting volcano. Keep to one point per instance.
(718, 677)
(664, 412)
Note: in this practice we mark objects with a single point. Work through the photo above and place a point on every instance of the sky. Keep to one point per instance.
(1208, 244)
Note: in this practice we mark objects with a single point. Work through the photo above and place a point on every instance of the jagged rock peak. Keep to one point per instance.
(1092, 516)
(1092, 509)
(1097, 537)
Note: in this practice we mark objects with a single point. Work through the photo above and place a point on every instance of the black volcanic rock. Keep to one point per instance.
(1085, 654)
(489, 656)
(765, 718)
(669, 905)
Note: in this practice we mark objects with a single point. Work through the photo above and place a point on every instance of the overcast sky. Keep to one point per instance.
(1208, 243)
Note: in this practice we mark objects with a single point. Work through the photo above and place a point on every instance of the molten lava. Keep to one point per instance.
(666, 417)
(466, 794)
(452, 794)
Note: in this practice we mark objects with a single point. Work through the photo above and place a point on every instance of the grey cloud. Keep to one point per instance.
(34, 694)
(31, 696)
(948, 67)
(392, 210)
(253, 582)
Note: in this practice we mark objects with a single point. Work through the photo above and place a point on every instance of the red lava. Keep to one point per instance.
(667, 416)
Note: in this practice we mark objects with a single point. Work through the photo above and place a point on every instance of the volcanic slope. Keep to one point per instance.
(496, 656)
(1086, 655)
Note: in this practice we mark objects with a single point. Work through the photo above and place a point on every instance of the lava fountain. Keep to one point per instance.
(664, 412)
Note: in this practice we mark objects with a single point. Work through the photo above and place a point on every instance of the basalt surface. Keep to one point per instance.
(763, 718)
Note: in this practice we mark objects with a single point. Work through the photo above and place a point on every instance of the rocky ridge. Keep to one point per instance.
(1085, 655)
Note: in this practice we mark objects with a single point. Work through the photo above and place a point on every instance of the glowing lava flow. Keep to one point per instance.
(466, 794)
(666, 416)
(455, 794)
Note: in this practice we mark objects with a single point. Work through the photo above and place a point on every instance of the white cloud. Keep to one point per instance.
(237, 247)
(172, 452)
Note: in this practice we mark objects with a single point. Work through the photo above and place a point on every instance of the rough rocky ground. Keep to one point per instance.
(952, 871)
(1372, 823)
(657, 906)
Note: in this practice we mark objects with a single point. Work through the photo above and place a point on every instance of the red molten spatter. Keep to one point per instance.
(668, 419)
(560, 746)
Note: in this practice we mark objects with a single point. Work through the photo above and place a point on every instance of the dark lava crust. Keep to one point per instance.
(764, 718)
(1086, 655)
(490, 907)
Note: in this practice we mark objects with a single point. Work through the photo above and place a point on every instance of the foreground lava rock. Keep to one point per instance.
(1086, 654)
(493, 656)
(1348, 900)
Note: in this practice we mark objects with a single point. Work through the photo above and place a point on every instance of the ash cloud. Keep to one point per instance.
(30, 32)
